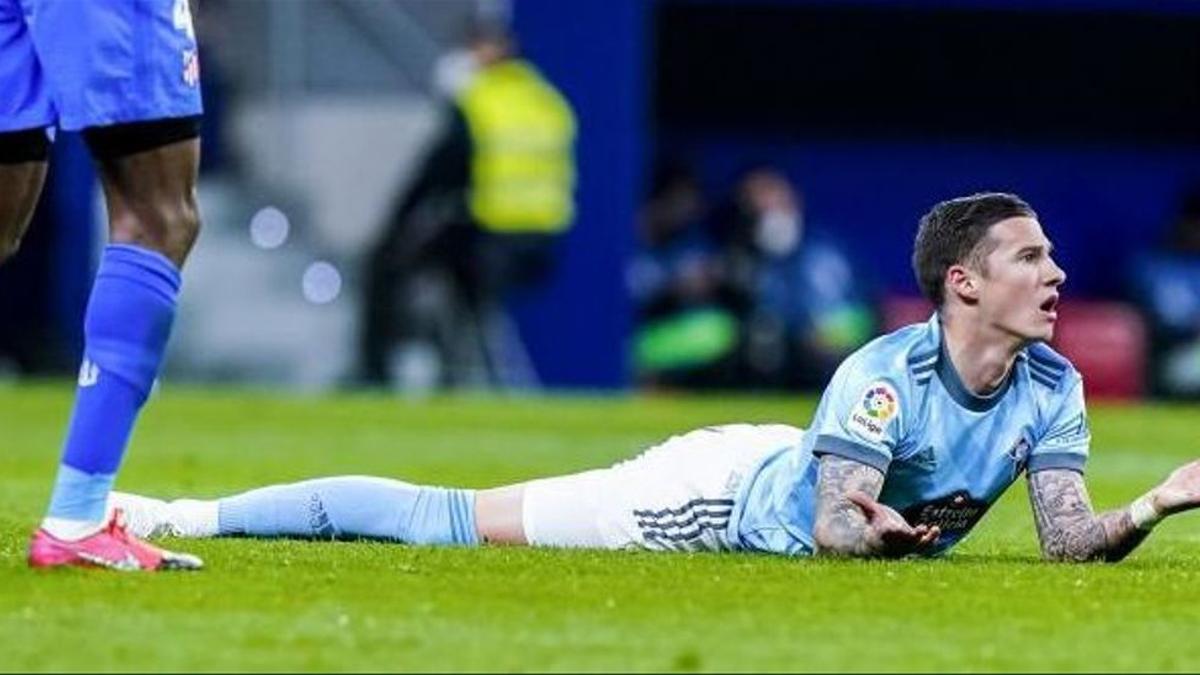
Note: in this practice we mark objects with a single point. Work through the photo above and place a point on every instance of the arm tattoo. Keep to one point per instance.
(839, 526)
(1068, 529)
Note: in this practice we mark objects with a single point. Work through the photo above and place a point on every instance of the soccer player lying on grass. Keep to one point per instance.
(917, 434)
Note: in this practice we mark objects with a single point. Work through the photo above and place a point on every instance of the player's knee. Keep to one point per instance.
(169, 227)
(148, 169)
(186, 229)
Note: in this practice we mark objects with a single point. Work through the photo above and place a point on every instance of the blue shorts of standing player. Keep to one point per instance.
(126, 74)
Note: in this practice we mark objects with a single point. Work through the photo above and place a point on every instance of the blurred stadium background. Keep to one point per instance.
(749, 179)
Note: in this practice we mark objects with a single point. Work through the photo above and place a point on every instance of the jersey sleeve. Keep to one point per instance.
(860, 416)
(1065, 442)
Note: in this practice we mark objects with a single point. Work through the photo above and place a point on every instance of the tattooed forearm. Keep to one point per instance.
(840, 526)
(1068, 529)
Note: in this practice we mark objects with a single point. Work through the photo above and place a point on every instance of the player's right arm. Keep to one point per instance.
(1069, 531)
(850, 522)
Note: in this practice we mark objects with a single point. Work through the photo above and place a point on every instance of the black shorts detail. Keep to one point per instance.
(121, 140)
(27, 145)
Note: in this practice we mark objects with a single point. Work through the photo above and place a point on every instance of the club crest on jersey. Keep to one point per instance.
(877, 407)
(1019, 454)
(191, 68)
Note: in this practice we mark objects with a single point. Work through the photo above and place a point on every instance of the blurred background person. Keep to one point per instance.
(687, 312)
(743, 295)
(1166, 286)
(804, 305)
(489, 202)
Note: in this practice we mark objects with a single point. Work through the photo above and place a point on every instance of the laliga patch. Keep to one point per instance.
(191, 68)
(875, 410)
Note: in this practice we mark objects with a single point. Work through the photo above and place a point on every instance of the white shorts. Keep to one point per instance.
(676, 496)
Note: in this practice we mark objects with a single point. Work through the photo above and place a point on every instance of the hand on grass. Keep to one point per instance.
(1180, 491)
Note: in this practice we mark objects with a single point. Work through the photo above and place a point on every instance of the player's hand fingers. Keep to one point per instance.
(901, 537)
(930, 536)
(1181, 490)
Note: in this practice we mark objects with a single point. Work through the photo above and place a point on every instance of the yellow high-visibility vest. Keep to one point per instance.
(522, 164)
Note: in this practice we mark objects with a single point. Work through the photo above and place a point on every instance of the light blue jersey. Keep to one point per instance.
(898, 405)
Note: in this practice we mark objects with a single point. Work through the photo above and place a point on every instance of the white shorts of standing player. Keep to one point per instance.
(676, 496)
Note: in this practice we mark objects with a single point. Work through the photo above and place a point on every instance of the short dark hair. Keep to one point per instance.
(953, 232)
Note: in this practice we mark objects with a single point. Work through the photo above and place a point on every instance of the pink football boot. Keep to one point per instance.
(111, 548)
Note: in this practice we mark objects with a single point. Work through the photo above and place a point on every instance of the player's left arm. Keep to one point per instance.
(1070, 531)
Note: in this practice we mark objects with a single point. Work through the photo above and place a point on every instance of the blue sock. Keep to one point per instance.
(353, 507)
(128, 320)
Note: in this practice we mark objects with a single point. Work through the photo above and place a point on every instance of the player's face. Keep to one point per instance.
(1019, 291)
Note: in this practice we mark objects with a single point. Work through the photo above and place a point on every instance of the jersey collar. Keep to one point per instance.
(958, 391)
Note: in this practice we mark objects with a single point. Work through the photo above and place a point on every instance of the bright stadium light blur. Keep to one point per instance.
(269, 228)
(322, 283)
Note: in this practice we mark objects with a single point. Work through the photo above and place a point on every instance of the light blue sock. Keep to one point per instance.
(353, 507)
(128, 321)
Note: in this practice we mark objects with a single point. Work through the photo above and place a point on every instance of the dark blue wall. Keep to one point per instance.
(1089, 109)
(1098, 204)
(594, 51)
(44, 289)
(1098, 200)
(1140, 6)
(72, 194)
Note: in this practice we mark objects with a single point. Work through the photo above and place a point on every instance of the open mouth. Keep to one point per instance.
(1049, 307)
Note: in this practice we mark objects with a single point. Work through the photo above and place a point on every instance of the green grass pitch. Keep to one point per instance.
(290, 605)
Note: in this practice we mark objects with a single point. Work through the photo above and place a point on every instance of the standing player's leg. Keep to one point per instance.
(26, 111)
(23, 164)
(137, 103)
(153, 222)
